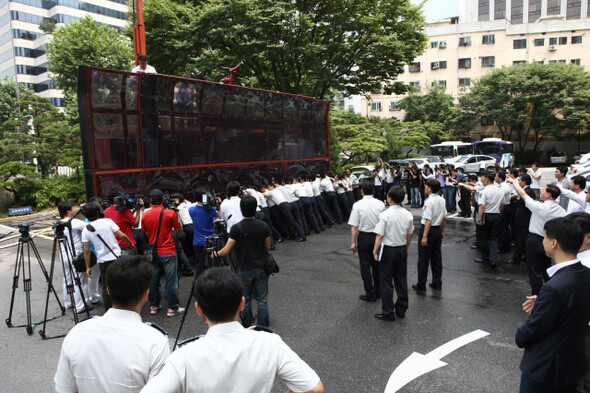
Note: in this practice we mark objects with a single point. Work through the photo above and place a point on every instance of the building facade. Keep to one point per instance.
(521, 11)
(23, 44)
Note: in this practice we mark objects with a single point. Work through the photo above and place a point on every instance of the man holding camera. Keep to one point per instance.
(125, 219)
(251, 238)
(158, 224)
(203, 216)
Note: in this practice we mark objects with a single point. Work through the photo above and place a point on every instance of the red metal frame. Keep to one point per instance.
(139, 31)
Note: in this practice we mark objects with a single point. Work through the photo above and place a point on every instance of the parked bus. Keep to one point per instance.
(143, 131)
(501, 150)
(450, 149)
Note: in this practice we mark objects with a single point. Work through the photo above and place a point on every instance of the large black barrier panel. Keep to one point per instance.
(143, 131)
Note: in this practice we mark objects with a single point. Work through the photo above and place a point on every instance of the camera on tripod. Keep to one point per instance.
(23, 227)
(60, 226)
(219, 226)
(125, 201)
(211, 243)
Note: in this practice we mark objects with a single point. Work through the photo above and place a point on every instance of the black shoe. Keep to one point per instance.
(474, 247)
(273, 248)
(493, 265)
(300, 239)
(367, 298)
(418, 288)
(481, 260)
(188, 274)
(437, 287)
(279, 241)
(400, 314)
(512, 262)
(389, 318)
(88, 308)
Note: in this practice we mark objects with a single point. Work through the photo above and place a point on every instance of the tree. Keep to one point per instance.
(530, 102)
(357, 134)
(86, 43)
(414, 135)
(47, 26)
(302, 47)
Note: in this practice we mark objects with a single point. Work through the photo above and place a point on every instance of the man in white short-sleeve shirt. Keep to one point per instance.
(230, 358)
(536, 176)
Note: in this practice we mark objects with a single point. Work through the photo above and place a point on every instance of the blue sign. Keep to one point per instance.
(20, 210)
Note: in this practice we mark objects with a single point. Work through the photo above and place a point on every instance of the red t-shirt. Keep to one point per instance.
(124, 220)
(149, 224)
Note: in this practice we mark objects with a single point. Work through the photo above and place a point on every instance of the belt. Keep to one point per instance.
(367, 233)
(432, 226)
(493, 213)
(394, 246)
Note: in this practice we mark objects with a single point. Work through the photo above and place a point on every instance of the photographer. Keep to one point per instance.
(121, 214)
(166, 260)
(202, 214)
(251, 237)
(230, 208)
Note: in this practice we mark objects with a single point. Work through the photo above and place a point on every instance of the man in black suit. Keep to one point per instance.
(522, 216)
(553, 337)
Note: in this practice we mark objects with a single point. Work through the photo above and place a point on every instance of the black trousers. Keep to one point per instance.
(357, 194)
(332, 202)
(393, 268)
(187, 240)
(520, 234)
(294, 227)
(278, 221)
(106, 299)
(316, 212)
(299, 217)
(344, 208)
(351, 199)
(430, 255)
(268, 219)
(309, 214)
(324, 210)
(491, 228)
(505, 238)
(537, 262)
(529, 386)
(369, 266)
(378, 192)
(584, 384)
(465, 202)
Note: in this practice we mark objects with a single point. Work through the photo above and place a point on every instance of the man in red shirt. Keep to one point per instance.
(166, 253)
(125, 219)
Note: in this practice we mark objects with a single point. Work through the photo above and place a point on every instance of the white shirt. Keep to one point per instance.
(388, 177)
(507, 189)
(289, 197)
(276, 196)
(434, 209)
(553, 269)
(492, 198)
(365, 213)
(231, 359)
(584, 257)
(576, 201)
(395, 224)
(231, 212)
(115, 353)
(342, 186)
(106, 228)
(302, 191)
(315, 186)
(326, 185)
(77, 228)
(308, 189)
(536, 183)
(379, 177)
(353, 180)
(261, 200)
(183, 217)
(148, 69)
(541, 213)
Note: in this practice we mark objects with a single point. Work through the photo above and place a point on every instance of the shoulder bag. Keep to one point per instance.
(151, 251)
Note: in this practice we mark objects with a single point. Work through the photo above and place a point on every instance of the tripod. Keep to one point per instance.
(211, 246)
(25, 266)
(71, 276)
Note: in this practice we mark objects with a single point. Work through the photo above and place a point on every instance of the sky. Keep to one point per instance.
(439, 9)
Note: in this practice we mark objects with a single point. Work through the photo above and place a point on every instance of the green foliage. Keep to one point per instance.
(302, 47)
(86, 43)
(414, 135)
(47, 26)
(533, 101)
(57, 189)
(357, 134)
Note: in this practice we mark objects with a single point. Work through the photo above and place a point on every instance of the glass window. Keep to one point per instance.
(575, 61)
(376, 106)
(486, 148)
(539, 41)
(488, 39)
(434, 44)
(465, 63)
(464, 41)
(414, 67)
(464, 82)
(519, 44)
(517, 62)
(553, 41)
(488, 61)
(562, 40)
(577, 39)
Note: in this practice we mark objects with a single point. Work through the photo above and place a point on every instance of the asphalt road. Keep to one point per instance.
(314, 306)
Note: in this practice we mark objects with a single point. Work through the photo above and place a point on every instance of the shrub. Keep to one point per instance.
(57, 189)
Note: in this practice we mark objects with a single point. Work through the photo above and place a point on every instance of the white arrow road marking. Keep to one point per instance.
(417, 364)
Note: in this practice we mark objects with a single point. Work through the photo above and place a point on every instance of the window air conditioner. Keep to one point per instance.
(552, 47)
(442, 44)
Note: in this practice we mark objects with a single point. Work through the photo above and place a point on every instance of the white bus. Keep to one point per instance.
(451, 149)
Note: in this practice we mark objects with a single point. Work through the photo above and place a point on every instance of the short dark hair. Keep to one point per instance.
(142, 57)
(397, 194)
(554, 191)
(562, 169)
(368, 187)
(128, 278)
(433, 184)
(501, 175)
(582, 219)
(535, 164)
(198, 194)
(63, 208)
(513, 172)
(156, 196)
(579, 180)
(248, 206)
(219, 293)
(472, 177)
(567, 232)
(489, 175)
(526, 179)
(91, 211)
(233, 188)
(522, 169)
(113, 192)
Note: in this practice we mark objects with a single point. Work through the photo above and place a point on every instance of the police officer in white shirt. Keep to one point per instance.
(230, 358)
(505, 238)
(354, 182)
(541, 212)
(305, 197)
(278, 198)
(363, 218)
(536, 176)
(323, 208)
(432, 232)
(394, 231)
(491, 201)
(576, 196)
(115, 353)
(328, 188)
(230, 208)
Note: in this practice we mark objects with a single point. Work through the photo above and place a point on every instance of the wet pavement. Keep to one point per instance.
(314, 306)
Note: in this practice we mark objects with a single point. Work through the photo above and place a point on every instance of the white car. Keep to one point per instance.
(420, 162)
(475, 163)
(583, 158)
(362, 172)
(579, 169)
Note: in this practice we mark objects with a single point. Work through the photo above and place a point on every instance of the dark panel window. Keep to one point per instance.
(488, 39)
(414, 67)
(464, 41)
(519, 44)
(516, 13)
(534, 10)
(483, 10)
(499, 9)
(574, 9)
(562, 40)
(465, 63)
(577, 39)
(539, 41)
(488, 61)
(553, 7)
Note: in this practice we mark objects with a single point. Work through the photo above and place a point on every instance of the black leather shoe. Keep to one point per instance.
(385, 317)
(437, 287)
(300, 239)
(493, 265)
(279, 241)
(188, 274)
(474, 247)
(400, 314)
(512, 262)
(417, 288)
(367, 298)
(480, 260)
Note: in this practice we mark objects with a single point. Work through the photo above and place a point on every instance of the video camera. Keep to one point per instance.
(126, 201)
(23, 227)
(211, 243)
(169, 201)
